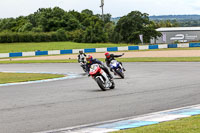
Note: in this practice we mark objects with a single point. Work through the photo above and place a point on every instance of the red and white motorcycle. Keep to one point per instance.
(100, 76)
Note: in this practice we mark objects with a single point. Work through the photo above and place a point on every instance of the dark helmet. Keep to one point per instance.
(81, 52)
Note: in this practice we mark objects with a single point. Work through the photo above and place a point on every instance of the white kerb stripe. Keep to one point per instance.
(123, 48)
(183, 45)
(143, 47)
(3, 55)
(76, 51)
(54, 52)
(28, 53)
(160, 117)
(101, 49)
(91, 130)
(162, 46)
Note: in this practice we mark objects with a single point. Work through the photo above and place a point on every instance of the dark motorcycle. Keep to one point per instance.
(83, 65)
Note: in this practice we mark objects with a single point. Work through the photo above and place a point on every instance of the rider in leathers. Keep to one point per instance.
(81, 57)
(110, 57)
(91, 61)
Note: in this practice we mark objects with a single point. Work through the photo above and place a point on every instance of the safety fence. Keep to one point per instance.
(94, 50)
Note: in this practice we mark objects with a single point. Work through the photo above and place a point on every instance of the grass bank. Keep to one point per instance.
(45, 46)
(186, 125)
(23, 77)
(24, 47)
(138, 59)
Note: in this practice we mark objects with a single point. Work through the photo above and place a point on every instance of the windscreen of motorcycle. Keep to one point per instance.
(113, 63)
(94, 69)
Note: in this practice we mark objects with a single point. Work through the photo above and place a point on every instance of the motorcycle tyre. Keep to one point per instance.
(99, 82)
(121, 74)
(113, 85)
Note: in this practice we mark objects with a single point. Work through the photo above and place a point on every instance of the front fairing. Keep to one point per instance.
(114, 64)
(94, 69)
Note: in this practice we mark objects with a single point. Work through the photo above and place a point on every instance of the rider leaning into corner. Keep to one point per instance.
(91, 61)
(110, 57)
(81, 57)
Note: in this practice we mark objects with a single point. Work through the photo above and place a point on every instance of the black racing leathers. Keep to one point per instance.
(112, 57)
(95, 61)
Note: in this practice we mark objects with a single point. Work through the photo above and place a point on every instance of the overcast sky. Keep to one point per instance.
(15, 8)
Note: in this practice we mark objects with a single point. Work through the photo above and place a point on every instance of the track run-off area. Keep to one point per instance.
(147, 88)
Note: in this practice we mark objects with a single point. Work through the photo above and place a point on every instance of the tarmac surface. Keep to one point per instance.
(147, 88)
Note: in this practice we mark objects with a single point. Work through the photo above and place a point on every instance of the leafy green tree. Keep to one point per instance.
(7, 24)
(109, 28)
(129, 28)
(88, 12)
(166, 23)
(94, 31)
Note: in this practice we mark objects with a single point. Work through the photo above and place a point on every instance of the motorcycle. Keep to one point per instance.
(117, 68)
(100, 76)
(83, 65)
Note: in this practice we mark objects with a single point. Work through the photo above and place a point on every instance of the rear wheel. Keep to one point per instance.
(113, 85)
(101, 84)
(121, 74)
(84, 67)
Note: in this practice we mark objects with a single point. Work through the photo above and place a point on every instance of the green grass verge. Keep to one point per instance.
(170, 49)
(186, 125)
(160, 59)
(44, 46)
(24, 47)
(23, 77)
(138, 59)
(38, 61)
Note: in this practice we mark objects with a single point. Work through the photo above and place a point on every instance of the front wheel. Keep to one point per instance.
(101, 84)
(84, 67)
(120, 73)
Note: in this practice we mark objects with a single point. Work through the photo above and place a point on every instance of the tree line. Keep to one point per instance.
(177, 23)
(56, 24)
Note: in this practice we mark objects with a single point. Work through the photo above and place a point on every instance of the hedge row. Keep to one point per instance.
(32, 37)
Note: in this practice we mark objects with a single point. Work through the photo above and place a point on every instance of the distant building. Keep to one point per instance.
(178, 34)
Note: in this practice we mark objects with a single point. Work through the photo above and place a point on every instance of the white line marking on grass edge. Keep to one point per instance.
(132, 122)
(67, 76)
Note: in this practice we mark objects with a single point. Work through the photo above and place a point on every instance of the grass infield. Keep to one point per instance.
(23, 77)
(186, 125)
(138, 59)
(44, 46)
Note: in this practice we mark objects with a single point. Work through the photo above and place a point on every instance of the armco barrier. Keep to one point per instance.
(172, 46)
(94, 50)
(153, 46)
(133, 47)
(194, 45)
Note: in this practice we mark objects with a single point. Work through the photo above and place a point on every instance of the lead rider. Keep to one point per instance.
(91, 61)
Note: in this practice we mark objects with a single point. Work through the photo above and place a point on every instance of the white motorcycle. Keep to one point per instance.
(117, 68)
(100, 76)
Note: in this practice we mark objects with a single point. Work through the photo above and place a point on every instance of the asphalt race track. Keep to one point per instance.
(147, 88)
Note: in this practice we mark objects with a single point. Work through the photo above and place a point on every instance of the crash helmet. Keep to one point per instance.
(107, 55)
(81, 52)
(89, 58)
